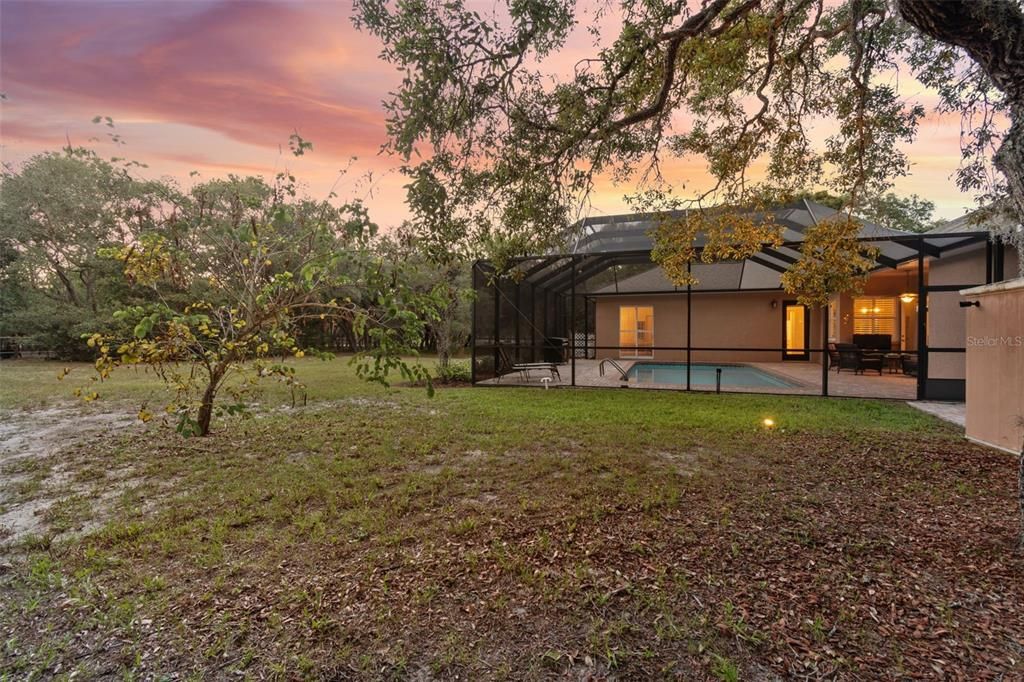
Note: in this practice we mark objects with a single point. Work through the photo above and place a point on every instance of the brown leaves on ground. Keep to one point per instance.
(800, 556)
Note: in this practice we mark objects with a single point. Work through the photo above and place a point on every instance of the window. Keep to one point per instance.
(874, 316)
(636, 331)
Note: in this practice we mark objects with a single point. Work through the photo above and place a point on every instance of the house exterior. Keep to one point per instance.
(751, 319)
(739, 313)
(608, 301)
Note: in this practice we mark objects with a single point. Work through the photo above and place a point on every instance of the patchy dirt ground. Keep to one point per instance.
(35, 481)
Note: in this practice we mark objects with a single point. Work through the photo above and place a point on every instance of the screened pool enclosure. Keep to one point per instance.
(603, 314)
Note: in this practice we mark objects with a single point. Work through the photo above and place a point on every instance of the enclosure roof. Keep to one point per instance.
(729, 276)
(610, 242)
(631, 232)
(619, 233)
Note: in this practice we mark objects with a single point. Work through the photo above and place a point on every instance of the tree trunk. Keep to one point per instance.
(444, 335)
(1010, 160)
(992, 33)
(69, 288)
(205, 415)
(1020, 497)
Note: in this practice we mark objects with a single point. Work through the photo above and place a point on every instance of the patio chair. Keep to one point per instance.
(908, 361)
(833, 357)
(873, 361)
(847, 357)
(507, 366)
(856, 360)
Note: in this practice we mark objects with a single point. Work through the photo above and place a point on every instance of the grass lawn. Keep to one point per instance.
(506, 533)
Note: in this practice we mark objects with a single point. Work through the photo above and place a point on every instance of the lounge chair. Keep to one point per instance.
(507, 366)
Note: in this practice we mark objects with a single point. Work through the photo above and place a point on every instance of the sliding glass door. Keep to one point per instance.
(636, 331)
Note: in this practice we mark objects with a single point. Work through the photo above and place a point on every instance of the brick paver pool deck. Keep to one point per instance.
(805, 376)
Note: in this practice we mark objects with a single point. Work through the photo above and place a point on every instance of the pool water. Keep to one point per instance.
(703, 375)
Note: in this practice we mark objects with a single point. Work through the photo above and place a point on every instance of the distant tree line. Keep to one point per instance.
(68, 218)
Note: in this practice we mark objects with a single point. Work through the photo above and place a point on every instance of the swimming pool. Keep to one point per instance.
(703, 375)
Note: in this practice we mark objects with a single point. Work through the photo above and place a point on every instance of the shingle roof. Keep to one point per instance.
(970, 222)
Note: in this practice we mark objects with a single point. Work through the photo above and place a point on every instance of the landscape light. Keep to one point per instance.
(768, 422)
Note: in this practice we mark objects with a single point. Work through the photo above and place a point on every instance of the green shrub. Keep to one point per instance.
(457, 371)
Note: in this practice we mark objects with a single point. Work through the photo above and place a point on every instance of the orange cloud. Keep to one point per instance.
(219, 85)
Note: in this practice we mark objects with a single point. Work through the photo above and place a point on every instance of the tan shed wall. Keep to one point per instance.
(995, 366)
(732, 320)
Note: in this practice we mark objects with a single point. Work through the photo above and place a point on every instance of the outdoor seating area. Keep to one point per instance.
(859, 360)
(507, 366)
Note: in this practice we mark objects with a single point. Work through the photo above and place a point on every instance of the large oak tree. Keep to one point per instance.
(496, 122)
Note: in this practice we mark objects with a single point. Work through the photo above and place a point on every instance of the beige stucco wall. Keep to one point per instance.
(733, 320)
(995, 364)
(669, 323)
(946, 319)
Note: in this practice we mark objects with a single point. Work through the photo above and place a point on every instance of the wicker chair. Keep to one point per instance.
(856, 360)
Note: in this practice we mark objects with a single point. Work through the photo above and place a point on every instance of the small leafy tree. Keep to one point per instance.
(910, 214)
(235, 277)
(907, 213)
(451, 329)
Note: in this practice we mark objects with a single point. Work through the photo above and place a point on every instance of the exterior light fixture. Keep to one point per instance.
(768, 423)
(775, 304)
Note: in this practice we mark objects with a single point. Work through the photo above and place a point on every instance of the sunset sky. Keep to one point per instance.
(218, 86)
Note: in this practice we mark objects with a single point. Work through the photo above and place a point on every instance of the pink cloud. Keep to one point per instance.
(241, 68)
(246, 74)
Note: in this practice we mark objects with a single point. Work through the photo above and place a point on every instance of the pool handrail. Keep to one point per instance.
(600, 368)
